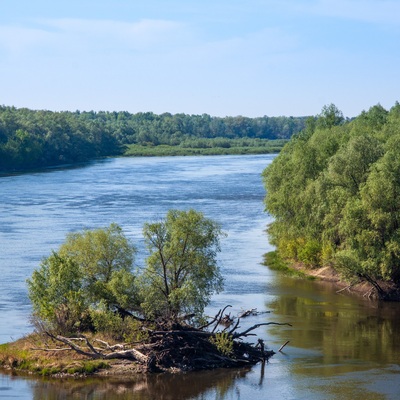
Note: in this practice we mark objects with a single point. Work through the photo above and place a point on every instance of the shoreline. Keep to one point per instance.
(150, 151)
(328, 274)
(361, 289)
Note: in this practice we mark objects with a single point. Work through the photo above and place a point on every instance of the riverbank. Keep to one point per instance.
(271, 147)
(390, 291)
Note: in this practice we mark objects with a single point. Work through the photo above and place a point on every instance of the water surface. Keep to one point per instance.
(340, 346)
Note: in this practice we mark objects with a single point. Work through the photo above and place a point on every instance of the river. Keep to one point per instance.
(341, 347)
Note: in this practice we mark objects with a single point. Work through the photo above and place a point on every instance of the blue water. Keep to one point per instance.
(340, 347)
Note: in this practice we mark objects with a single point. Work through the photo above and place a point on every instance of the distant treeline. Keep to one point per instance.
(334, 193)
(35, 139)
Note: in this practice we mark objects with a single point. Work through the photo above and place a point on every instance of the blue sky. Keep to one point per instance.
(220, 57)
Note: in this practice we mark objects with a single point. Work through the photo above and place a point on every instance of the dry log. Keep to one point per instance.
(345, 288)
(130, 354)
(183, 347)
(252, 311)
(108, 347)
(284, 344)
(246, 332)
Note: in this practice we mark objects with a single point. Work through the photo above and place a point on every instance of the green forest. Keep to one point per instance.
(39, 138)
(334, 193)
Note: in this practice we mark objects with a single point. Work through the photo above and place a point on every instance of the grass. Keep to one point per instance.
(276, 263)
(166, 150)
(22, 356)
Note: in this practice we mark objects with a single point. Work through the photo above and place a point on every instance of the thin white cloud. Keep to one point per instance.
(16, 39)
(262, 45)
(78, 34)
(140, 35)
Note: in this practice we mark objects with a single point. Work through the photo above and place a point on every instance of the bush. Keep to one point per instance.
(223, 342)
(310, 254)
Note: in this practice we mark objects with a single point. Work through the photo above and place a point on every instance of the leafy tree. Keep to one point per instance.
(57, 293)
(31, 139)
(182, 271)
(89, 282)
(330, 116)
(92, 271)
(334, 192)
(106, 257)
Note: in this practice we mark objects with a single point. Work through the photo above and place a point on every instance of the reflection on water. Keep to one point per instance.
(341, 327)
(339, 344)
(218, 384)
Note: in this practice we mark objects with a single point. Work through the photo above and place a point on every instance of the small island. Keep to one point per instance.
(94, 313)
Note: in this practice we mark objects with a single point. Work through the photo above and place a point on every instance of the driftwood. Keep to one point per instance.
(99, 353)
(284, 344)
(252, 328)
(227, 320)
(183, 347)
(252, 311)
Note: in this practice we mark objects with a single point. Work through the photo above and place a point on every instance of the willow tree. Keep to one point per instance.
(334, 192)
(90, 275)
(182, 271)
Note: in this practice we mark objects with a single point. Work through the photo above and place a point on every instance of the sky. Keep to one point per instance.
(220, 57)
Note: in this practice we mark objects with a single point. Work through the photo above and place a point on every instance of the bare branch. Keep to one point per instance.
(220, 317)
(246, 332)
(211, 322)
(235, 327)
(108, 347)
(73, 346)
(284, 344)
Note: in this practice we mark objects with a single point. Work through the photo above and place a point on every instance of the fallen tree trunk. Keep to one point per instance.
(184, 347)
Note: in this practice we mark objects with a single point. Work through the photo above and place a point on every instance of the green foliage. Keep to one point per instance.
(116, 327)
(36, 139)
(91, 270)
(330, 116)
(208, 147)
(274, 261)
(89, 284)
(182, 271)
(310, 253)
(223, 342)
(334, 192)
(105, 257)
(57, 293)
(87, 367)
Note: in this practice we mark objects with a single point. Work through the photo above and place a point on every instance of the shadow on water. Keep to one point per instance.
(217, 384)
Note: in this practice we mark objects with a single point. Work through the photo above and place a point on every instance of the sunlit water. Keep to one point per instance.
(341, 347)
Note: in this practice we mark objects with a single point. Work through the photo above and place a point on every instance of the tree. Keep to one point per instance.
(330, 116)
(89, 283)
(90, 273)
(182, 271)
(104, 255)
(57, 294)
(334, 192)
